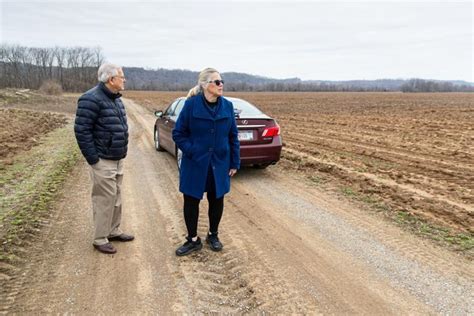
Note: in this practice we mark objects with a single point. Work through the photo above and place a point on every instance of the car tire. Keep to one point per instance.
(157, 141)
(261, 166)
(179, 157)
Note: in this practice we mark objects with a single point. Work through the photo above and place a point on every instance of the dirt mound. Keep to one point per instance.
(21, 129)
(12, 96)
(37, 101)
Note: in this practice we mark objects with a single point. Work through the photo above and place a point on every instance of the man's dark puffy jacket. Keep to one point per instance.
(101, 125)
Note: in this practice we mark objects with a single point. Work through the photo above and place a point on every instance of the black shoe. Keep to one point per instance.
(214, 242)
(121, 237)
(189, 246)
(107, 248)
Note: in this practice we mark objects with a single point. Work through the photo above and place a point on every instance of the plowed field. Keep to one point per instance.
(21, 129)
(410, 156)
(26, 116)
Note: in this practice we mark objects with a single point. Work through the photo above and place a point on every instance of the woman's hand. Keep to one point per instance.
(232, 172)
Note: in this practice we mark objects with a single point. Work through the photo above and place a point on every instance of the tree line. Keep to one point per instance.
(182, 80)
(139, 82)
(74, 68)
(420, 85)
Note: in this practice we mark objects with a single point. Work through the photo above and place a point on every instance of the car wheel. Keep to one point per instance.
(157, 141)
(179, 157)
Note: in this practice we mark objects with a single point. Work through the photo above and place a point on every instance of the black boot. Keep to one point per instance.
(189, 246)
(214, 242)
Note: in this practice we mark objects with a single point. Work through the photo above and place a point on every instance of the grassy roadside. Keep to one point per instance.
(28, 186)
(459, 242)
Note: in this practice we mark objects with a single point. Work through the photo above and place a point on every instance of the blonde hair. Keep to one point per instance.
(202, 80)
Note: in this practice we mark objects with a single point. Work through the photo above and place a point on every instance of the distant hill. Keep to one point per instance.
(165, 79)
(180, 80)
(75, 69)
(21, 75)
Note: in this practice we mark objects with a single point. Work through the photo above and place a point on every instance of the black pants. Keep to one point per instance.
(191, 213)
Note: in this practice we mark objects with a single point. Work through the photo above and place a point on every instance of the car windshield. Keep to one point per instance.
(244, 108)
(179, 107)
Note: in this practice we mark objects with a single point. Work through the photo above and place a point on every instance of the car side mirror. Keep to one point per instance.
(159, 114)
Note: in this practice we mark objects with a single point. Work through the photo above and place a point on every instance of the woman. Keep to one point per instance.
(206, 133)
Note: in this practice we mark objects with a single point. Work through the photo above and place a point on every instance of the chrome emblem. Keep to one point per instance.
(245, 122)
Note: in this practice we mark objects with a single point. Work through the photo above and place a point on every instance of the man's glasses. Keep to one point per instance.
(217, 82)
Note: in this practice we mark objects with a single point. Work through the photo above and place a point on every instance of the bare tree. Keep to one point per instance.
(75, 68)
(60, 55)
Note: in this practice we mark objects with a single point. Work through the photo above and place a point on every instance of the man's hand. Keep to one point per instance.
(232, 172)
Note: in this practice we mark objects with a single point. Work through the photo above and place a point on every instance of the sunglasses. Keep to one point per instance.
(217, 82)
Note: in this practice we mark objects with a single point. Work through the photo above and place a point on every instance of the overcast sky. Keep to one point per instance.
(279, 39)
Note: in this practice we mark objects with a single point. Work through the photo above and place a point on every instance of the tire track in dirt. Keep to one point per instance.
(368, 224)
(321, 274)
(64, 274)
(32, 266)
(216, 282)
(269, 283)
(287, 251)
(392, 255)
(262, 245)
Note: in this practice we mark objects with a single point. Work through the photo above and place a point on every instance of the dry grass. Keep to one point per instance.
(50, 87)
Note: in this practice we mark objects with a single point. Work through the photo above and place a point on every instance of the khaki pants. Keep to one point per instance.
(106, 176)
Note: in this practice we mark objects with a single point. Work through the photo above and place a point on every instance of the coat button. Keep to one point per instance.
(211, 149)
(212, 131)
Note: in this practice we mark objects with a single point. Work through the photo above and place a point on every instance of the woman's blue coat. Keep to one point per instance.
(206, 141)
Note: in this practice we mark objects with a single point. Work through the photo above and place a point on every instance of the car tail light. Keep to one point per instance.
(271, 131)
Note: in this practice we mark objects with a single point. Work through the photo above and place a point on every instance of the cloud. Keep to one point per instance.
(306, 39)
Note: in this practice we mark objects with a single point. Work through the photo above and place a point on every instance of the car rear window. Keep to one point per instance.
(244, 108)
(240, 106)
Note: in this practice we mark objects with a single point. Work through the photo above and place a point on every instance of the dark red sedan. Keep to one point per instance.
(259, 134)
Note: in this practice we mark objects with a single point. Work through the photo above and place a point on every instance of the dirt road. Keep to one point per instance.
(289, 248)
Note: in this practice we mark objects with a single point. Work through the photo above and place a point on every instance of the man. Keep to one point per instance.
(102, 135)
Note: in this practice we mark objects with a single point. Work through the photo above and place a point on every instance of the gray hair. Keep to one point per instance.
(203, 79)
(106, 71)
